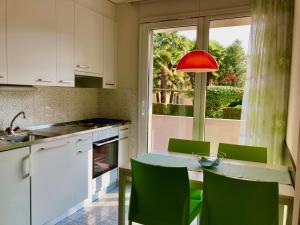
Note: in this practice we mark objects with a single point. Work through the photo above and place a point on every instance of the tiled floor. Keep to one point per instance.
(104, 211)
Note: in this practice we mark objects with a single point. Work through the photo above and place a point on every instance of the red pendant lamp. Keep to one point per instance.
(197, 61)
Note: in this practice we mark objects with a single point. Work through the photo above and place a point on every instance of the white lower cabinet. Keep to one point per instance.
(15, 187)
(59, 177)
(124, 153)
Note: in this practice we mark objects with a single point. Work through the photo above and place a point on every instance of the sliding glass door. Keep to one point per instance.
(182, 105)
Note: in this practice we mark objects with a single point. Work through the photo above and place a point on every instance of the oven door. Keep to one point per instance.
(105, 156)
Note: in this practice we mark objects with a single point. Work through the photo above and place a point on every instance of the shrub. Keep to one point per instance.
(172, 109)
(218, 97)
(232, 113)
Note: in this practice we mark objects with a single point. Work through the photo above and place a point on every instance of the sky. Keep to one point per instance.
(224, 35)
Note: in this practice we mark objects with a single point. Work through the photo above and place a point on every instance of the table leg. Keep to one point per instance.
(122, 187)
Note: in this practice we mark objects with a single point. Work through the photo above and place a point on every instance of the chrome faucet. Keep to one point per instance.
(10, 130)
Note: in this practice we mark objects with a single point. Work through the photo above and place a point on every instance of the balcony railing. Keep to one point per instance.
(216, 131)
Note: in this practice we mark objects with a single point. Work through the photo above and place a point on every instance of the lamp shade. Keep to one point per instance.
(197, 61)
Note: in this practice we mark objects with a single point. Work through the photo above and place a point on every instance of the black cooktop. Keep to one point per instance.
(99, 122)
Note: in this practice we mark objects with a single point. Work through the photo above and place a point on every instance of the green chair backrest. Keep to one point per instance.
(159, 195)
(244, 152)
(231, 201)
(189, 146)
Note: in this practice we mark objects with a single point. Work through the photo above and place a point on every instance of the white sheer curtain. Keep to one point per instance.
(264, 112)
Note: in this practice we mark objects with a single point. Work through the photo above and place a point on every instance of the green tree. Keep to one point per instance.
(217, 50)
(233, 65)
(168, 48)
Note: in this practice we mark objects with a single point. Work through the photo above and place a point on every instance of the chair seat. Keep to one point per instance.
(195, 206)
(195, 193)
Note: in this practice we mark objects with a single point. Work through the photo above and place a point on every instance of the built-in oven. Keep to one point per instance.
(105, 158)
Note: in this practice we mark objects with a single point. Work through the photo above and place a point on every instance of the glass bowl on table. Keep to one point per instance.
(211, 161)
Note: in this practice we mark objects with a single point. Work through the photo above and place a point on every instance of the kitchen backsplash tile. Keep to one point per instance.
(121, 104)
(47, 105)
(61, 104)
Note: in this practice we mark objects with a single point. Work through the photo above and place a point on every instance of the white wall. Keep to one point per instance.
(104, 7)
(294, 102)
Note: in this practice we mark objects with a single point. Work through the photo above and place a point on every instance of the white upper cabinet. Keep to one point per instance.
(65, 12)
(3, 69)
(88, 42)
(31, 42)
(109, 53)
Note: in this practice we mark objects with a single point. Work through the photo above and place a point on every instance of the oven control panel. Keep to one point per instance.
(105, 134)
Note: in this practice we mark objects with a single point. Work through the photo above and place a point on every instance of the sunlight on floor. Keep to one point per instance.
(103, 211)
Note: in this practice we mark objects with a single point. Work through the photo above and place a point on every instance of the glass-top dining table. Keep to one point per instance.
(232, 168)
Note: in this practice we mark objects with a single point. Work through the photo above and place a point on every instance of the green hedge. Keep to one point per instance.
(217, 100)
(232, 113)
(172, 109)
(218, 97)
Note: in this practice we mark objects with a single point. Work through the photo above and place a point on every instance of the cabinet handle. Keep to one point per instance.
(110, 84)
(2, 76)
(51, 147)
(66, 81)
(80, 151)
(124, 129)
(80, 139)
(26, 166)
(82, 66)
(46, 81)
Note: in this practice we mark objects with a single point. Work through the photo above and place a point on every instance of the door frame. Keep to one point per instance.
(145, 58)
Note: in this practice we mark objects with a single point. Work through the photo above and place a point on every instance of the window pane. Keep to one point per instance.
(173, 92)
(228, 43)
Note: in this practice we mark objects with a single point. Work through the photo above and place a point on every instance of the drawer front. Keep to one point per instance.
(83, 143)
(51, 145)
(106, 133)
(124, 131)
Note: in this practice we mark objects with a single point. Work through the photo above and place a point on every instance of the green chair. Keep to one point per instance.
(161, 196)
(243, 152)
(231, 201)
(189, 146)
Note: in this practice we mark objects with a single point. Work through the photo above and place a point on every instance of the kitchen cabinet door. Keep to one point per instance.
(65, 11)
(60, 177)
(82, 166)
(31, 42)
(3, 68)
(15, 187)
(50, 183)
(124, 152)
(88, 42)
(109, 53)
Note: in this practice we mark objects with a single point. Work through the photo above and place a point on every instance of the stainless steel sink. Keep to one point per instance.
(22, 137)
